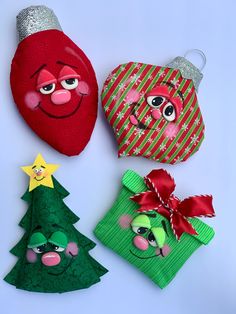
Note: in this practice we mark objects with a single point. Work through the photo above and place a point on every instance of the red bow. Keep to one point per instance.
(159, 198)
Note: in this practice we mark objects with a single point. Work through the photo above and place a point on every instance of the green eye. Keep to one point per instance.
(59, 239)
(37, 239)
(158, 238)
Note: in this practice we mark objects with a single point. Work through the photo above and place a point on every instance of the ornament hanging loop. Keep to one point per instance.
(200, 53)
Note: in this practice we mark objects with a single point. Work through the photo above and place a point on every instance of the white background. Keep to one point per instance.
(110, 33)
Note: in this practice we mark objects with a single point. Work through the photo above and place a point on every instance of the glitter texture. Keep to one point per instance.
(187, 69)
(35, 19)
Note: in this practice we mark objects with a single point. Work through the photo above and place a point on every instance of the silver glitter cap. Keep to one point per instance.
(187, 69)
(36, 19)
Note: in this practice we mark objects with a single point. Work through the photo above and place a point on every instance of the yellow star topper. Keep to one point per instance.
(40, 173)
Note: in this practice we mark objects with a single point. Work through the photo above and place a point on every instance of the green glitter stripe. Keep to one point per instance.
(162, 131)
(198, 145)
(145, 79)
(181, 131)
(109, 85)
(184, 141)
(124, 93)
(116, 90)
(143, 113)
(191, 145)
(117, 87)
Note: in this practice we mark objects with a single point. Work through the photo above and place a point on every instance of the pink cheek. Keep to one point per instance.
(72, 249)
(132, 96)
(82, 88)
(124, 221)
(32, 100)
(165, 250)
(31, 256)
(171, 130)
(140, 243)
(156, 114)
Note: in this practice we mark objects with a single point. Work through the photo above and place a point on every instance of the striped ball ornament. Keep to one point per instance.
(153, 111)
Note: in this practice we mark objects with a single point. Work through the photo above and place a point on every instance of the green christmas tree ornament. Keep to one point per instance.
(152, 228)
(53, 256)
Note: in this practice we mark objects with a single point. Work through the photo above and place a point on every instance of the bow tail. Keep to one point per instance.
(180, 224)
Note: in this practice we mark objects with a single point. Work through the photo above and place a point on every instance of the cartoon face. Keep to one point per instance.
(153, 111)
(60, 97)
(56, 90)
(51, 251)
(40, 173)
(161, 106)
(150, 235)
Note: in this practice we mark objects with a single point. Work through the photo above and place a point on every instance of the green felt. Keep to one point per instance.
(82, 273)
(160, 269)
(36, 239)
(58, 238)
(48, 215)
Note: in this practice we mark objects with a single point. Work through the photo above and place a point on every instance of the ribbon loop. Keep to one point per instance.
(161, 182)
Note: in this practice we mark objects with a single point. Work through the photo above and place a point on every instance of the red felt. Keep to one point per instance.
(68, 135)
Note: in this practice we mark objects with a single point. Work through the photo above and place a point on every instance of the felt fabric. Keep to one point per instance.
(153, 112)
(147, 240)
(61, 261)
(55, 89)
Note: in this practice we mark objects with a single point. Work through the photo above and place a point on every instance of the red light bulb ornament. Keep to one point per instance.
(53, 82)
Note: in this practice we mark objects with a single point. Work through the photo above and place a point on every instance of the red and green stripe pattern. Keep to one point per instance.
(153, 143)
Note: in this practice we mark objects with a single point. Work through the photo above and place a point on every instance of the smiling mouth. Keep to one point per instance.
(140, 124)
(65, 269)
(60, 117)
(40, 179)
(146, 257)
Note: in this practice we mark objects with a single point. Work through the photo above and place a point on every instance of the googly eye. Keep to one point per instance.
(155, 101)
(139, 230)
(38, 171)
(39, 249)
(169, 112)
(70, 83)
(57, 248)
(47, 89)
(152, 240)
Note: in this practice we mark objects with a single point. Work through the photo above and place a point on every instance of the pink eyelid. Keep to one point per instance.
(53, 81)
(68, 76)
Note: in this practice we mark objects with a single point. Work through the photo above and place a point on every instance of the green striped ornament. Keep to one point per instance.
(158, 139)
